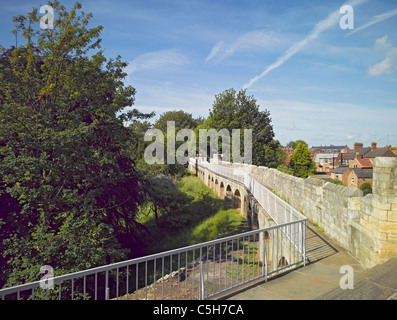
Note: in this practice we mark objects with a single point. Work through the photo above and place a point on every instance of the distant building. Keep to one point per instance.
(360, 164)
(338, 172)
(358, 150)
(354, 178)
(325, 162)
(379, 152)
(288, 151)
(331, 149)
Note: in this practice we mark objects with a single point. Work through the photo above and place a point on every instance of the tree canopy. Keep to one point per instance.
(68, 187)
(301, 163)
(72, 173)
(235, 110)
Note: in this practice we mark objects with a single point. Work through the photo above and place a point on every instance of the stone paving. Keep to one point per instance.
(320, 278)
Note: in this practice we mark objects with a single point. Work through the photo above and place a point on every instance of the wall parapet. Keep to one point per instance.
(366, 226)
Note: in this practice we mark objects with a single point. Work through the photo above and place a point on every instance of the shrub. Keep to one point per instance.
(285, 169)
(366, 187)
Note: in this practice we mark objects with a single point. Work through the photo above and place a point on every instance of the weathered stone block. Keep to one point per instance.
(388, 227)
(392, 237)
(379, 214)
(392, 216)
(387, 245)
(380, 203)
(354, 203)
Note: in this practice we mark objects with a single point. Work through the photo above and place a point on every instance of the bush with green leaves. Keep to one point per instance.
(366, 187)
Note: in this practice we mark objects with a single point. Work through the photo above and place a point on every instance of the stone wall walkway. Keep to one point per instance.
(321, 276)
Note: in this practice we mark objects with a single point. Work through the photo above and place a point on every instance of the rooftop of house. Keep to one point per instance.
(361, 151)
(340, 170)
(364, 174)
(319, 156)
(364, 163)
(327, 147)
(379, 153)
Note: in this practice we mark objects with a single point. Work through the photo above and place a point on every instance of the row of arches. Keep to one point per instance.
(238, 198)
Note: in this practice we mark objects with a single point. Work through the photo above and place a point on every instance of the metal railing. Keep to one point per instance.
(279, 210)
(195, 272)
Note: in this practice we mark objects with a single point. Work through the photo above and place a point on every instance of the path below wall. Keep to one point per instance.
(320, 278)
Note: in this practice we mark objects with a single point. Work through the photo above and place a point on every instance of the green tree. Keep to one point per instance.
(164, 198)
(366, 187)
(67, 177)
(294, 144)
(182, 119)
(301, 163)
(235, 110)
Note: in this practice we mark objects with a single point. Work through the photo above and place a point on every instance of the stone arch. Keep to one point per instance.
(282, 262)
(237, 200)
(267, 235)
(229, 195)
(216, 187)
(212, 183)
(222, 190)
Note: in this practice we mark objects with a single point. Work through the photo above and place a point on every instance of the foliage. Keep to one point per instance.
(337, 181)
(235, 110)
(182, 119)
(294, 144)
(164, 198)
(67, 177)
(366, 187)
(210, 228)
(301, 162)
(203, 205)
(285, 169)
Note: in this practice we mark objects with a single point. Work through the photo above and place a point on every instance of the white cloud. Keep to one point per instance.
(158, 60)
(382, 43)
(385, 66)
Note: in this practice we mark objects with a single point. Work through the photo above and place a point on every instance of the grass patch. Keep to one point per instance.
(207, 216)
(224, 222)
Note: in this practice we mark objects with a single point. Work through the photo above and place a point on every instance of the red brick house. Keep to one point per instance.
(360, 163)
(354, 178)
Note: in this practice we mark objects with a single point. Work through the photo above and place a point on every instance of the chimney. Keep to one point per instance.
(373, 146)
(358, 145)
(359, 156)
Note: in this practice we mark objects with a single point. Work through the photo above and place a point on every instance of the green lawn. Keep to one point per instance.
(207, 217)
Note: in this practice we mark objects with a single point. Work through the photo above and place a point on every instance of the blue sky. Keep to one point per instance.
(321, 83)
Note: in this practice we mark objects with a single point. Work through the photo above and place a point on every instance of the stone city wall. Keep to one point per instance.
(365, 226)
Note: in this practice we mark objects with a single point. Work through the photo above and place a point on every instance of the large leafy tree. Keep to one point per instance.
(294, 144)
(182, 119)
(236, 110)
(68, 187)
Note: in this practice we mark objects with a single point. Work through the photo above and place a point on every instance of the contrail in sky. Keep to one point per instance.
(320, 27)
(375, 19)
